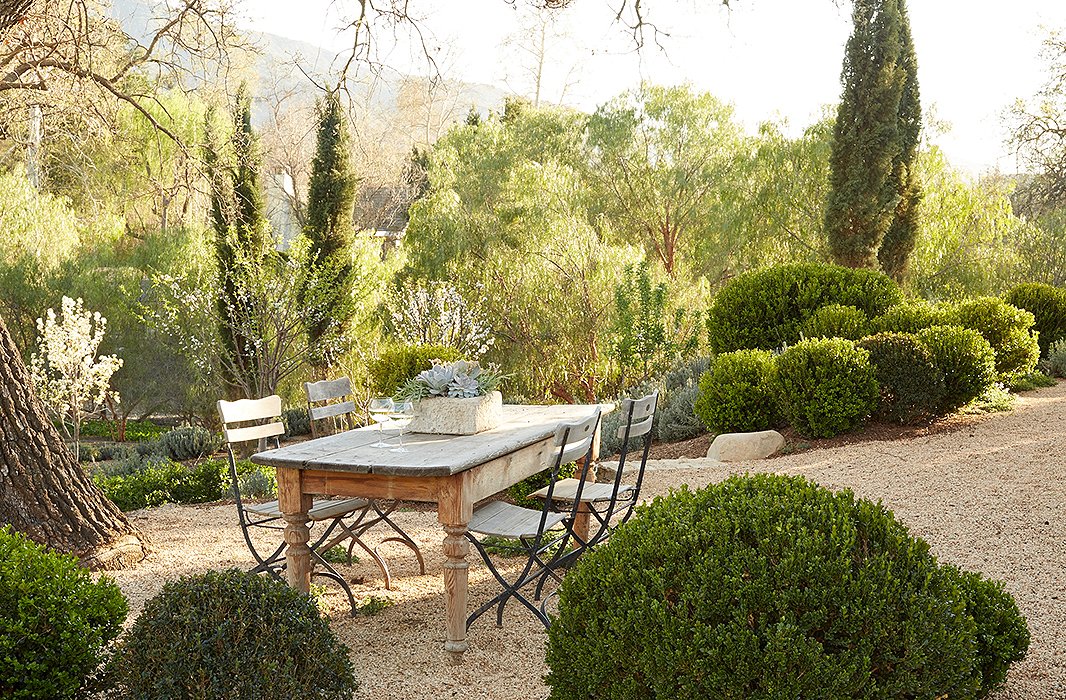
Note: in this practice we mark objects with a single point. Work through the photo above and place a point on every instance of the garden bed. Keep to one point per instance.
(986, 492)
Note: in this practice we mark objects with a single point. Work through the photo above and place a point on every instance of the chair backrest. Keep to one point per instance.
(319, 396)
(247, 411)
(639, 418)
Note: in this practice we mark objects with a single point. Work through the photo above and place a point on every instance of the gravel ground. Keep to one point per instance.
(989, 497)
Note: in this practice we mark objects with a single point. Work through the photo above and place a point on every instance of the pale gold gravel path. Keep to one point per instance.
(989, 497)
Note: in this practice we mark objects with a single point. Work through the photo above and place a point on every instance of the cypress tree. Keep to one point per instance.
(331, 199)
(901, 235)
(240, 240)
(866, 139)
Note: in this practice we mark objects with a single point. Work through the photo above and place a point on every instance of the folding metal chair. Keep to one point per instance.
(610, 504)
(543, 536)
(330, 400)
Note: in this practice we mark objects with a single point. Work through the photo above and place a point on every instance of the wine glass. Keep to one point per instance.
(380, 408)
(401, 410)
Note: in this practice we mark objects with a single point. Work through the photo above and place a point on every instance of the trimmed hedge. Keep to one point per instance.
(394, 367)
(1047, 304)
(770, 586)
(912, 388)
(911, 317)
(231, 634)
(1006, 328)
(825, 386)
(836, 321)
(765, 308)
(736, 394)
(966, 361)
(55, 621)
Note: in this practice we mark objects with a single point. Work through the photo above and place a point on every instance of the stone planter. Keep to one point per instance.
(445, 416)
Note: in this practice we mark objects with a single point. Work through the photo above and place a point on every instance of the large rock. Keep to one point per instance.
(744, 447)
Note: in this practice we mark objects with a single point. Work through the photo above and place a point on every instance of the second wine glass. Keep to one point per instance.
(402, 410)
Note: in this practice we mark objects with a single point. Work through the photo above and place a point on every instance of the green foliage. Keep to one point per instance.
(736, 394)
(519, 493)
(875, 137)
(395, 366)
(825, 386)
(772, 587)
(910, 317)
(55, 621)
(1056, 361)
(374, 605)
(649, 337)
(675, 415)
(297, 421)
(836, 321)
(1006, 328)
(994, 399)
(1047, 304)
(155, 481)
(1036, 380)
(1002, 635)
(330, 202)
(966, 361)
(912, 388)
(193, 442)
(764, 309)
(231, 634)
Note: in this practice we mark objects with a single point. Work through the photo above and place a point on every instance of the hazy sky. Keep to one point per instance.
(770, 58)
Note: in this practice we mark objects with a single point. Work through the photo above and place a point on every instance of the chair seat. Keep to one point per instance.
(508, 520)
(321, 508)
(566, 489)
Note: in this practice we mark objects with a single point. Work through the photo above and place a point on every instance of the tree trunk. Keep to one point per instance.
(44, 492)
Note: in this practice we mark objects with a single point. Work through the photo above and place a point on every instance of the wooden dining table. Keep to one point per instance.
(453, 471)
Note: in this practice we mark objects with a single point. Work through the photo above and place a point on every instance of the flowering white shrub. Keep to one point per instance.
(439, 315)
(70, 379)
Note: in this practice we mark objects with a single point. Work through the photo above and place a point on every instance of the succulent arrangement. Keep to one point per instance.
(457, 380)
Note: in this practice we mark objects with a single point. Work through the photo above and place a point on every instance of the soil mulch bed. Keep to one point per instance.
(988, 493)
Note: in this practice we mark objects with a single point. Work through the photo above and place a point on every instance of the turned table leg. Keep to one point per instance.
(294, 505)
(454, 513)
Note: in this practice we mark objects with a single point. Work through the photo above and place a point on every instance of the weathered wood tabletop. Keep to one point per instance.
(453, 471)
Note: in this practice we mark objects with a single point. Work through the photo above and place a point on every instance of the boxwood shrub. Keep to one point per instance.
(1007, 330)
(911, 317)
(912, 388)
(765, 308)
(395, 366)
(231, 634)
(773, 587)
(825, 386)
(1047, 304)
(736, 394)
(966, 361)
(55, 621)
(836, 321)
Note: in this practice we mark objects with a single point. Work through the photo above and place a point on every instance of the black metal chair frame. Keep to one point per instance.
(549, 549)
(341, 388)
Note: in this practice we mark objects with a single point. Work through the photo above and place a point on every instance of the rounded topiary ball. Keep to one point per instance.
(55, 621)
(767, 587)
(912, 388)
(1007, 330)
(910, 317)
(232, 634)
(736, 392)
(1047, 304)
(966, 361)
(836, 321)
(825, 386)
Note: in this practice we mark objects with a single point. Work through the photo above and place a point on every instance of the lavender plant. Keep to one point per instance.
(457, 380)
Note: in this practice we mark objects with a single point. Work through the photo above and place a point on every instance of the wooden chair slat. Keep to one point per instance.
(253, 432)
(337, 409)
(250, 409)
(328, 389)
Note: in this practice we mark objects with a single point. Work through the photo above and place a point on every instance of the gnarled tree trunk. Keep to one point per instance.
(44, 492)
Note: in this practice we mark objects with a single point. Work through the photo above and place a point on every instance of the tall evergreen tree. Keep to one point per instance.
(900, 238)
(241, 240)
(866, 141)
(330, 204)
